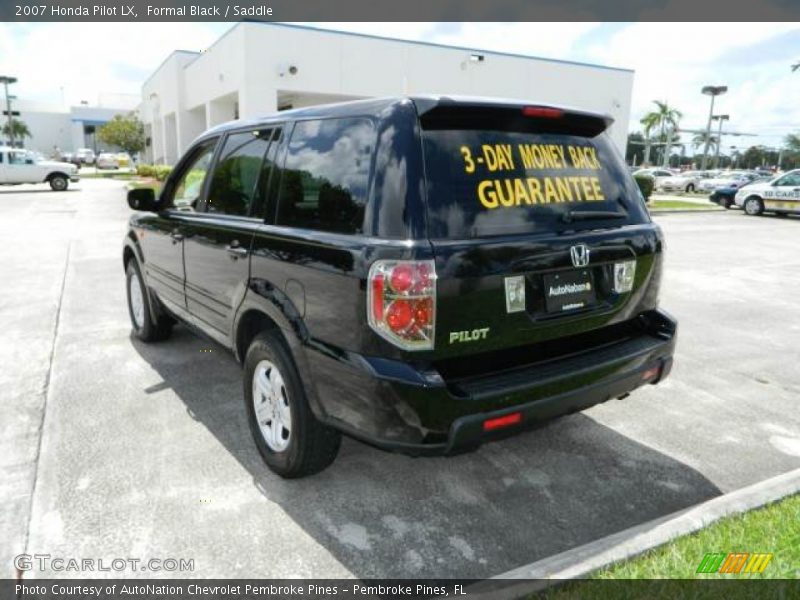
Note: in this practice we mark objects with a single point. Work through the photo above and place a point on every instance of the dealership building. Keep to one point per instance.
(259, 68)
(56, 128)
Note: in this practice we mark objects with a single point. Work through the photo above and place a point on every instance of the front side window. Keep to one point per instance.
(792, 179)
(189, 186)
(325, 178)
(17, 158)
(234, 185)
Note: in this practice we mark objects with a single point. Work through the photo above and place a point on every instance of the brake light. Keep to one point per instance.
(500, 422)
(401, 302)
(543, 112)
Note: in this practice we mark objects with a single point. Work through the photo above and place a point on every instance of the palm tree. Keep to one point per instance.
(666, 119)
(18, 130)
(700, 140)
(649, 122)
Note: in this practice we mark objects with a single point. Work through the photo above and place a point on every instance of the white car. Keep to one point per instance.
(106, 160)
(733, 179)
(21, 166)
(779, 195)
(683, 182)
(660, 175)
(85, 155)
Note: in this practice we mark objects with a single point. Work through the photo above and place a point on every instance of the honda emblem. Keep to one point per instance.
(580, 255)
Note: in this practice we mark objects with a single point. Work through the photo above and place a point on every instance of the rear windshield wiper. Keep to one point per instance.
(589, 215)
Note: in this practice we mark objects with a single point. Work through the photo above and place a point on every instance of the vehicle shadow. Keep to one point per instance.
(476, 515)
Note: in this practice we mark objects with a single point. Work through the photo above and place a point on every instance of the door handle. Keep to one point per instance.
(236, 251)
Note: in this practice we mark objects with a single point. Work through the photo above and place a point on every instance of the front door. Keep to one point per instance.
(219, 235)
(163, 233)
(784, 194)
(22, 168)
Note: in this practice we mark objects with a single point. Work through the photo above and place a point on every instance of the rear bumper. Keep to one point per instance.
(398, 407)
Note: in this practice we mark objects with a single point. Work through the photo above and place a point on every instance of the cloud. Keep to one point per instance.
(673, 61)
(89, 58)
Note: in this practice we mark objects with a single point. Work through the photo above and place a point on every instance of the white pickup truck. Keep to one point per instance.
(21, 166)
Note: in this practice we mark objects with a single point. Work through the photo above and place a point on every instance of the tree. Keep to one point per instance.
(123, 131)
(634, 148)
(699, 140)
(19, 130)
(649, 122)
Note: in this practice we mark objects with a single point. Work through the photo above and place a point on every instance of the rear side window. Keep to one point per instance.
(234, 185)
(487, 182)
(325, 179)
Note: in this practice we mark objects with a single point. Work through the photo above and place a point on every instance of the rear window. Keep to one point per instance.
(486, 183)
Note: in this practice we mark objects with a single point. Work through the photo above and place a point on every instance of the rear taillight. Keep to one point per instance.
(401, 302)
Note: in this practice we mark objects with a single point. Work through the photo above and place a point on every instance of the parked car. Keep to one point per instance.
(85, 155)
(124, 160)
(20, 166)
(660, 175)
(424, 274)
(725, 196)
(106, 160)
(780, 195)
(683, 182)
(734, 179)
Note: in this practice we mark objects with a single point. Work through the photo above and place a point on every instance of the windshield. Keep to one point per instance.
(486, 183)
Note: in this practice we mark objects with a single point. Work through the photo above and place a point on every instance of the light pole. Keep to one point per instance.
(713, 91)
(721, 119)
(5, 80)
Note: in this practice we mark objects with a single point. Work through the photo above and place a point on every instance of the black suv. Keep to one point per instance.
(422, 274)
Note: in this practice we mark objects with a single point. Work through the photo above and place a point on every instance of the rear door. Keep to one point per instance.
(531, 217)
(219, 236)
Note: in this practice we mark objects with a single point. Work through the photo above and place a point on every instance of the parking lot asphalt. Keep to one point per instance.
(111, 448)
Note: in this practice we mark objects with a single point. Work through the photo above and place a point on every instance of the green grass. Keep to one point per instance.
(775, 529)
(670, 571)
(679, 205)
(107, 175)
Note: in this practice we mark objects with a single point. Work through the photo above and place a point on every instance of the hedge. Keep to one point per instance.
(159, 172)
(646, 184)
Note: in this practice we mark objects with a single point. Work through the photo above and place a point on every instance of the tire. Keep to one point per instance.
(290, 439)
(727, 202)
(753, 206)
(146, 326)
(690, 188)
(59, 183)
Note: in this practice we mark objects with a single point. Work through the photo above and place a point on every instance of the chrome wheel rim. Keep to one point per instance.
(271, 406)
(59, 183)
(137, 301)
(751, 206)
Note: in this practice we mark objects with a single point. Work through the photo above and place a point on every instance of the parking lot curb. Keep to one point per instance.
(581, 561)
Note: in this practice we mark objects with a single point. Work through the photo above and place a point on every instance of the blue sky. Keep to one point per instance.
(672, 61)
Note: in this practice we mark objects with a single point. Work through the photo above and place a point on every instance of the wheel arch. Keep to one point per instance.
(267, 308)
(52, 174)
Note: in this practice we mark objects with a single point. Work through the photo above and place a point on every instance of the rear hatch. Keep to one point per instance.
(539, 234)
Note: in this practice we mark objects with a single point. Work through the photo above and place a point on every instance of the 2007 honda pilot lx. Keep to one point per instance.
(423, 274)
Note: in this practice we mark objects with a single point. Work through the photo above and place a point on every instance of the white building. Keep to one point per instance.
(56, 127)
(259, 68)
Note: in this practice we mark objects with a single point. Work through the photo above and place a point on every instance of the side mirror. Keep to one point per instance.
(142, 199)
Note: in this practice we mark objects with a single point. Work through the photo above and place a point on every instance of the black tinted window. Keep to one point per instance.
(270, 175)
(233, 187)
(483, 183)
(326, 175)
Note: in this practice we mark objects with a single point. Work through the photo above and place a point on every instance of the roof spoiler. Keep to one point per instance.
(503, 115)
